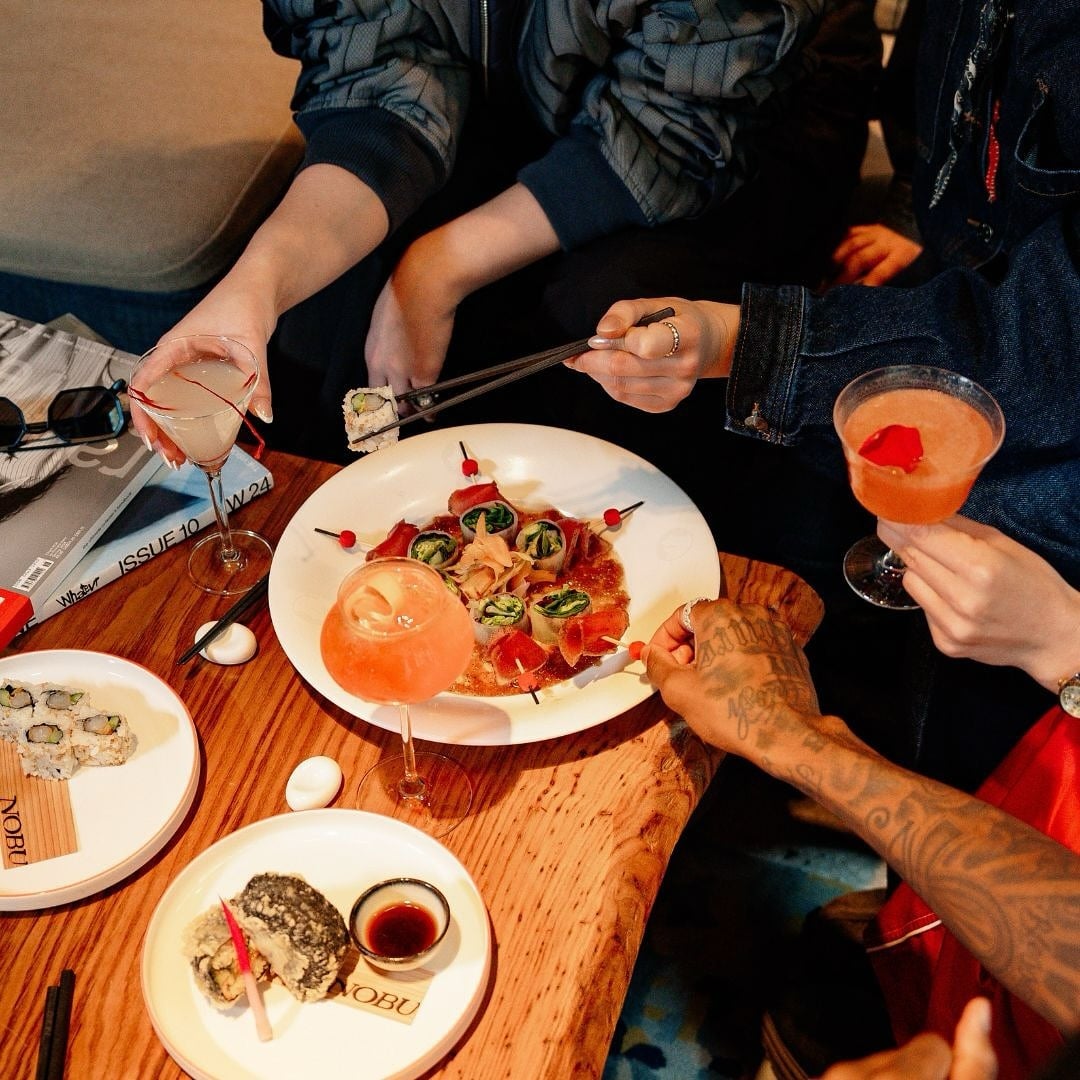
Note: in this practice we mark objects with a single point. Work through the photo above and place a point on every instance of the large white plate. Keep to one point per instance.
(124, 814)
(341, 853)
(665, 546)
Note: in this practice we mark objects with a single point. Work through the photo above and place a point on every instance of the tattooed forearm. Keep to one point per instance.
(1009, 893)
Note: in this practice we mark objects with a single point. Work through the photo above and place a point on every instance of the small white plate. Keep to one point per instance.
(666, 547)
(124, 814)
(341, 853)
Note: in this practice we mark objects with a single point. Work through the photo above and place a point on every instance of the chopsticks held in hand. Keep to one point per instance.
(52, 1053)
(499, 375)
(247, 600)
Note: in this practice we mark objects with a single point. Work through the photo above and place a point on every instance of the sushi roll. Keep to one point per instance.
(16, 703)
(549, 613)
(209, 949)
(434, 547)
(500, 519)
(366, 410)
(100, 738)
(301, 934)
(43, 735)
(544, 542)
(494, 613)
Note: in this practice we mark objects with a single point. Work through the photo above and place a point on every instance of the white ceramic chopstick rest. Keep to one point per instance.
(313, 783)
(234, 645)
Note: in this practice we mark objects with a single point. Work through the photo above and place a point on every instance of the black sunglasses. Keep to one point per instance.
(85, 414)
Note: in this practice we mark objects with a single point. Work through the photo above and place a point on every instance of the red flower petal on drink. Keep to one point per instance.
(895, 445)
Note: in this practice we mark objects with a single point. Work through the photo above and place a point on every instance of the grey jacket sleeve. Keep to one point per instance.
(669, 92)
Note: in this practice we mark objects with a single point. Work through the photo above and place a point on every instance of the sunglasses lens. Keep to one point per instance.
(12, 424)
(91, 412)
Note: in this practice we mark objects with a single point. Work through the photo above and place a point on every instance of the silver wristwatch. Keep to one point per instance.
(1069, 694)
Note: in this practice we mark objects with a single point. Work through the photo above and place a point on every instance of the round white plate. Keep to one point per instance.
(666, 548)
(124, 814)
(341, 853)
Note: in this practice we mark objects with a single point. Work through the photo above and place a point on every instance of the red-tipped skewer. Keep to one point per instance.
(346, 538)
(251, 987)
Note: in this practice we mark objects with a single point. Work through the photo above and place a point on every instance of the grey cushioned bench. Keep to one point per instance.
(141, 143)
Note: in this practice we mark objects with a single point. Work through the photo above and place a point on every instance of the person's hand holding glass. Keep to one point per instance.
(915, 439)
(196, 390)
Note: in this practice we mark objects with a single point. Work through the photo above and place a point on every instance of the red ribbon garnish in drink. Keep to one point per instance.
(613, 517)
(469, 466)
(346, 538)
(896, 445)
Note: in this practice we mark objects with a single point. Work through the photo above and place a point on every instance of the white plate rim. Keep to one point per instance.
(64, 666)
(307, 566)
(232, 846)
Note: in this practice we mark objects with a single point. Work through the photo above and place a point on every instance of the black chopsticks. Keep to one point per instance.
(504, 374)
(52, 1053)
(226, 620)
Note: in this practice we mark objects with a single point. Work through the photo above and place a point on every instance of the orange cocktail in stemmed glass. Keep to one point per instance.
(915, 439)
(397, 635)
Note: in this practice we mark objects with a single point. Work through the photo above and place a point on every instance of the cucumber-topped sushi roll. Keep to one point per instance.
(366, 410)
(499, 612)
(99, 737)
(16, 703)
(500, 519)
(544, 542)
(434, 547)
(549, 613)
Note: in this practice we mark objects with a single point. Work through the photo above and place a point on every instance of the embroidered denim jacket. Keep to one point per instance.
(997, 200)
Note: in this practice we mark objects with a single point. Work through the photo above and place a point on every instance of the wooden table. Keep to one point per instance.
(568, 841)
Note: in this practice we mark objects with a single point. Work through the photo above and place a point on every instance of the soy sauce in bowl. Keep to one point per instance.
(399, 924)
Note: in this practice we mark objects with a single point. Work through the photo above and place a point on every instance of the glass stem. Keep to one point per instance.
(411, 785)
(217, 500)
(891, 564)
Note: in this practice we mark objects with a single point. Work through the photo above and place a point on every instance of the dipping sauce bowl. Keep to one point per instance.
(399, 924)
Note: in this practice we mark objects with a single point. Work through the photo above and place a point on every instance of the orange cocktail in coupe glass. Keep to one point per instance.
(915, 439)
(397, 635)
(196, 389)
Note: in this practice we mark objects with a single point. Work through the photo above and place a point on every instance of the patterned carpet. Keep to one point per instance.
(746, 871)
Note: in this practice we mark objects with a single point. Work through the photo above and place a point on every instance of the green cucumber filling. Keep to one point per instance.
(503, 610)
(542, 538)
(563, 603)
(433, 548)
(496, 517)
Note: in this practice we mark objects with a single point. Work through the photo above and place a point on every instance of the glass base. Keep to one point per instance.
(444, 803)
(877, 575)
(229, 577)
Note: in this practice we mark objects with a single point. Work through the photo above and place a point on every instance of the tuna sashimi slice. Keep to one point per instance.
(396, 543)
(511, 646)
(586, 635)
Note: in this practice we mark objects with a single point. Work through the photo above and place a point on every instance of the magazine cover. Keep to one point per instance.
(172, 507)
(55, 503)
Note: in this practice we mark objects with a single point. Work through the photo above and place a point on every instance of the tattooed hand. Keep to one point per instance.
(740, 681)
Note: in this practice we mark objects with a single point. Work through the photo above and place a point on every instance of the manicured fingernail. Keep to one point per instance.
(598, 342)
(264, 413)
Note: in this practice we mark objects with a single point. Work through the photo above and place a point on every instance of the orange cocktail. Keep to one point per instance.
(957, 439)
(915, 439)
(396, 634)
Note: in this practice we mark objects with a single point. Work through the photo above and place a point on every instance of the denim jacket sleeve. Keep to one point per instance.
(1018, 336)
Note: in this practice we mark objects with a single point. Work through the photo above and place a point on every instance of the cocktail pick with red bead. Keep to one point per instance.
(613, 518)
(632, 647)
(526, 680)
(469, 465)
(251, 987)
(346, 538)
